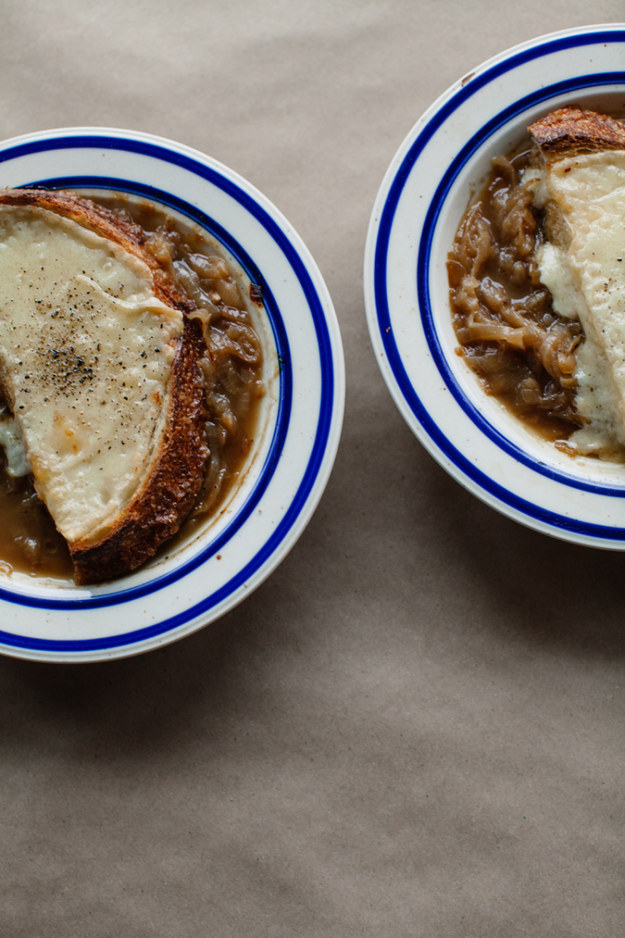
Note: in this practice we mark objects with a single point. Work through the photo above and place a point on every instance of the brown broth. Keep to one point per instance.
(509, 333)
(233, 387)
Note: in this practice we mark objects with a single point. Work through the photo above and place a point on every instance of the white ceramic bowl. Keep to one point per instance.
(421, 200)
(201, 579)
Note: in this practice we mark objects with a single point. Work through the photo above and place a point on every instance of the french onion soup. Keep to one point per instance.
(131, 373)
(537, 282)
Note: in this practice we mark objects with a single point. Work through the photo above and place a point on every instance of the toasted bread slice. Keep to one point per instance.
(583, 189)
(571, 129)
(99, 363)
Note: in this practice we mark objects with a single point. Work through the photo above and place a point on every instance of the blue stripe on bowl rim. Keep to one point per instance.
(327, 402)
(444, 444)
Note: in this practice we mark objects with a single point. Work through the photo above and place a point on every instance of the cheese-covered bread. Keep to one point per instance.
(583, 191)
(99, 364)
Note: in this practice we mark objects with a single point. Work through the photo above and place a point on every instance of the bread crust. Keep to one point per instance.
(167, 494)
(571, 129)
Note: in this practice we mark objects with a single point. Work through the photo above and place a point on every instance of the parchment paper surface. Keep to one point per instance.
(414, 728)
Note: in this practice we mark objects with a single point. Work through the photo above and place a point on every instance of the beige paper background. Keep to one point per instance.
(415, 726)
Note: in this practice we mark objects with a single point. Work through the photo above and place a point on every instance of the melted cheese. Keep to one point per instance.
(588, 275)
(86, 353)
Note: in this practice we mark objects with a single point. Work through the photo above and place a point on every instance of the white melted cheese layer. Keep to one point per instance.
(588, 275)
(86, 352)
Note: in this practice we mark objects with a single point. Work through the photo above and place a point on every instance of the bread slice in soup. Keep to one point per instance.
(100, 367)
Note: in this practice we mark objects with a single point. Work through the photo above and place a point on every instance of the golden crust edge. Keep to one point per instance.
(571, 129)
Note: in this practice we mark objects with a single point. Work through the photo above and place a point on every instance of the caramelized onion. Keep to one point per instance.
(509, 333)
